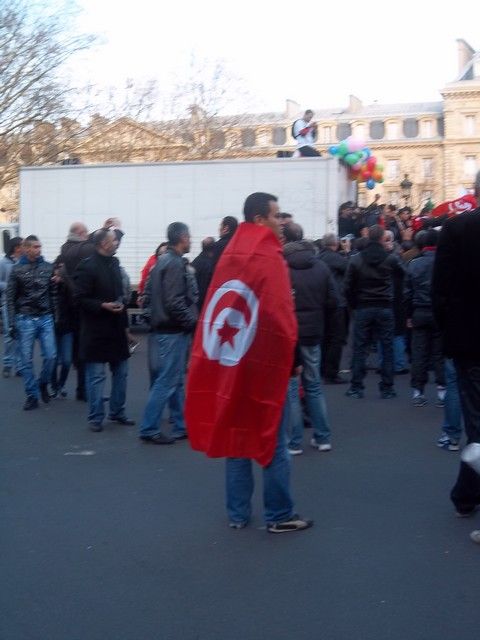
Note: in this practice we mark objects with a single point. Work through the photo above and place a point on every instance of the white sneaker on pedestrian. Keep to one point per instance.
(295, 451)
(475, 536)
(324, 446)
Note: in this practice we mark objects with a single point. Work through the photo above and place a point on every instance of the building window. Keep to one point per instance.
(427, 168)
(343, 130)
(279, 136)
(470, 166)
(427, 129)
(392, 130)
(248, 138)
(393, 169)
(410, 128)
(377, 130)
(217, 140)
(326, 134)
(470, 126)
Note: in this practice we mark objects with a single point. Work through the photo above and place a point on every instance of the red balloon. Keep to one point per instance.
(371, 162)
(366, 175)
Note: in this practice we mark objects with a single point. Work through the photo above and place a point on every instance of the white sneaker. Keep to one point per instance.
(324, 446)
(475, 536)
(295, 451)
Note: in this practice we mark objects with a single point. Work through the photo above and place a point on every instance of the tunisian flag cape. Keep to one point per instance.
(243, 349)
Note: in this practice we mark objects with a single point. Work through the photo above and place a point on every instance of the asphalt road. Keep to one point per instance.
(105, 538)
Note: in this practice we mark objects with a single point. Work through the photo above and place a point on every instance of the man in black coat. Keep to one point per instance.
(337, 323)
(369, 289)
(315, 296)
(203, 269)
(456, 306)
(98, 291)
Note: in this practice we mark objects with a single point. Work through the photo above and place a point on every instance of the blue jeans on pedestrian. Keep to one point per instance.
(95, 383)
(277, 501)
(11, 349)
(30, 329)
(314, 397)
(452, 424)
(370, 322)
(64, 360)
(399, 353)
(169, 353)
(296, 424)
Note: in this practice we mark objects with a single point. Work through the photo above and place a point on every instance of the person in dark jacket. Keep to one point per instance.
(203, 269)
(171, 297)
(315, 296)
(336, 328)
(77, 247)
(98, 291)
(11, 351)
(456, 308)
(31, 301)
(64, 323)
(426, 336)
(369, 290)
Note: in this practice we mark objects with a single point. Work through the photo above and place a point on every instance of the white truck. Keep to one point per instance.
(147, 197)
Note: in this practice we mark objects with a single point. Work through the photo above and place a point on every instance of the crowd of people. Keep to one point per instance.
(377, 295)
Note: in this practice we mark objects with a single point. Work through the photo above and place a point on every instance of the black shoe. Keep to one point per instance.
(7, 372)
(355, 393)
(158, 438)
(96, 427)
(387, 395)
(81, 395)
(45, 394)
(402, 372)
(336, 380)
(180, 436)
(296, 523)
(30, 403)
(122, 420)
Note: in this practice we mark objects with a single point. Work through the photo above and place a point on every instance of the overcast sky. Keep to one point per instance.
(314, 53)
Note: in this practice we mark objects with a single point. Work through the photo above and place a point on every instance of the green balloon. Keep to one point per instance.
(343, 149)
(350, 158)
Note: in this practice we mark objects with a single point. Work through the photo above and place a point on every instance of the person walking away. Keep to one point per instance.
(427, 345)
(98, 291)
(64, 323)
(11, 353)
(172, 302)
(31, 301)
(369, 291)
(315, 296)
(242, 359)
(203, 269)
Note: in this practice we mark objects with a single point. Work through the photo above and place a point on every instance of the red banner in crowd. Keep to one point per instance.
(242, 353)
(453, 207)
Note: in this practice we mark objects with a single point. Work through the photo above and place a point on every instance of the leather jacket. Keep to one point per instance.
(30, 289)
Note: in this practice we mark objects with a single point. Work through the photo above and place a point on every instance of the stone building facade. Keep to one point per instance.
(433, 146)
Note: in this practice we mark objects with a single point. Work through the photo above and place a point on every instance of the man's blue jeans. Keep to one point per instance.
(296, 424)
(95, 383)
(64, 360)
(277, 501)
(11, 348)
(370, 322)
(169, 355)
(452, 424)
(399, 354)
(314, 398)
(31, 328)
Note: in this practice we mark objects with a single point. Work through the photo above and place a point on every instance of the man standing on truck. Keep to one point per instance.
(305, 133)
(31, 300)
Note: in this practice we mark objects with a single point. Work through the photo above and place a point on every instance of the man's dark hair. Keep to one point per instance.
(293, 232)
(231, 223)
(286, 216)
(99, 236)
(13, 244)
(345, 205)
(418, 239)
(30, 239)
(308, 111)
(429, 238)
(392, 208)
(405, 210)
(376, 233)
(207, 243)
(257, 204)
(175, 231)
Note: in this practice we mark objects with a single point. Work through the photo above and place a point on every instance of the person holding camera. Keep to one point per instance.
(98, 291)
(305, 133)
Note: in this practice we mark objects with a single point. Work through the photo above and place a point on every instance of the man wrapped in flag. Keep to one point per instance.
(242, 359)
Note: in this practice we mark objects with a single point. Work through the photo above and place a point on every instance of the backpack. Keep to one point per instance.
(293, 129)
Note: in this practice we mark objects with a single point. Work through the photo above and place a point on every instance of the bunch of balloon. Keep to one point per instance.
(362, 166)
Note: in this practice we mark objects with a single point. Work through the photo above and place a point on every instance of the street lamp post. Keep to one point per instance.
(406, 187)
